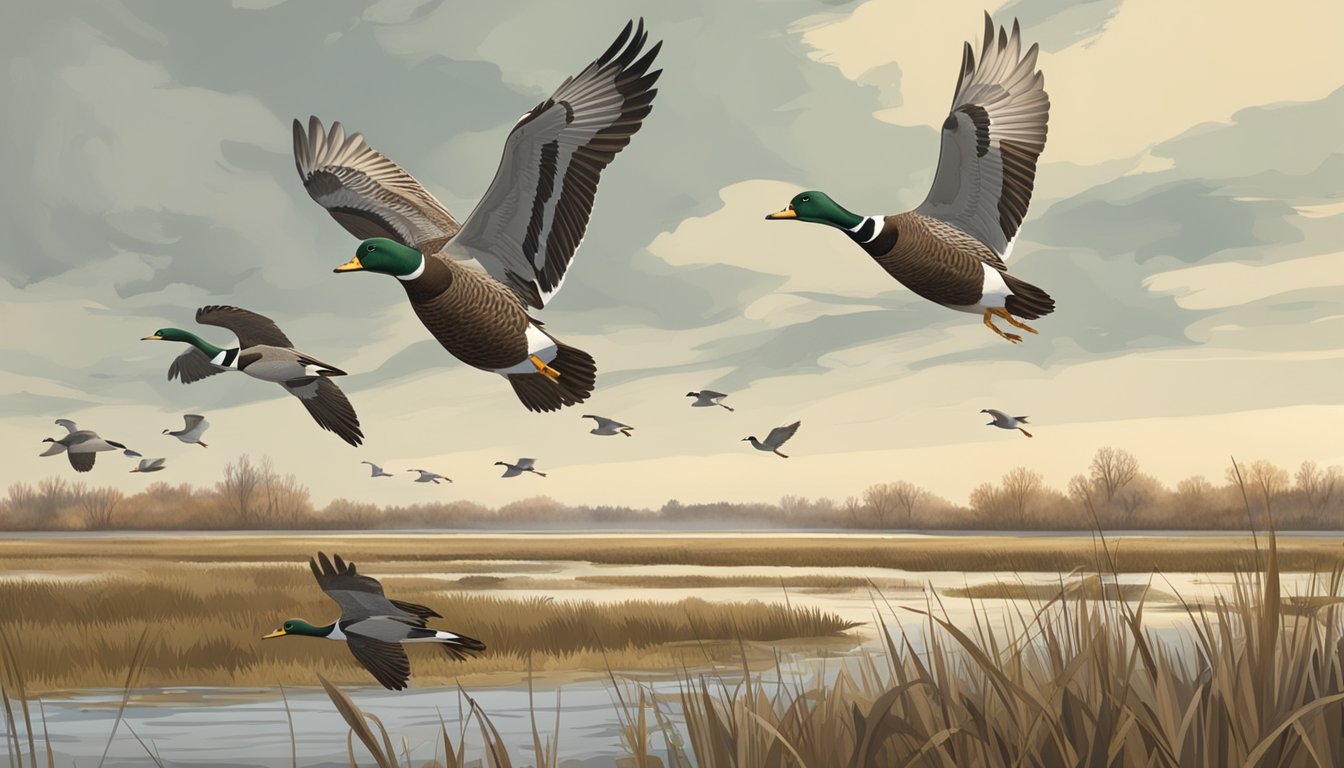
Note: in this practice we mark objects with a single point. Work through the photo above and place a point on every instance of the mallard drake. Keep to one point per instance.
(191, 433)
(605, 426)
(149, 465)
(1004, 421)
(707, 398)
(429, 477)
(522, 234)
(82, 446)
(523, 465)
(375, 470)
(953, 249)
(777, 437)
(264, 352)
(373, 627)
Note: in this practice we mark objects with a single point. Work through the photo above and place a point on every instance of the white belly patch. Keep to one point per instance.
(994, 293)
(538, 344)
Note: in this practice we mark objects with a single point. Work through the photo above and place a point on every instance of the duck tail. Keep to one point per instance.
(577, 375)
(458, 646)
(1026, 300)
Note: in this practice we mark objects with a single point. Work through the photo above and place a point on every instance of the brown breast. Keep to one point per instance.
(932, 258)
(477, 320)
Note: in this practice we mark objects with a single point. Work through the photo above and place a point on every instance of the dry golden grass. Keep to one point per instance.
(964, 553)
(1090, 585)
(206, 623)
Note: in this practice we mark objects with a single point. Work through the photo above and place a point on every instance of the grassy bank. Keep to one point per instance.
(421, 551)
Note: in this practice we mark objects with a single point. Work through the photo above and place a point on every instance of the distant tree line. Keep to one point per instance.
(1114, 494)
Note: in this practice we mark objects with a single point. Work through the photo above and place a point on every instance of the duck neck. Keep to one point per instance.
(430, 279)
(865, 229)
(210, 350)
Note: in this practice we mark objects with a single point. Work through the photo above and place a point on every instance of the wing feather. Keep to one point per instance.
(192, 365)
(532, 218)
(387, 662)
(367, 193)
(780, 435)
(251, 328)
(991, 140)
(329, 407)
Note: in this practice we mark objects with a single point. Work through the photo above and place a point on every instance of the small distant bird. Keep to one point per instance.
(373, 627)
(82, 445)
(149, 465)
(1004, 421)
(377, 471)
(607, 426)
(429, 477)
(264, 352)
(191, 433)
(706, 398)
(777, 437)
(523, 465)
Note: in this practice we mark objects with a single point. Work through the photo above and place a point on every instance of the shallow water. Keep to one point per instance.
(247, 727)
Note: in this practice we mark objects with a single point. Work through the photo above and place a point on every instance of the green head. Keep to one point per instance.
(818, 208)
(300, 627)
(384, 256)
(186, 337)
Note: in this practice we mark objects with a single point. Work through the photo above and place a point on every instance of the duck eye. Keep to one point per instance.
(805, 200)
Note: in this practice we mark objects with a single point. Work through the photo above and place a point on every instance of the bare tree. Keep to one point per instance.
(988, 502)
(1020, 488)
(855, 512)
(282, 500)
(888, 502)
(238, 490)
(20, 501)
(53, 493)
(98, 505)
(1317, 486)
(1194, 496)
(1113, 469)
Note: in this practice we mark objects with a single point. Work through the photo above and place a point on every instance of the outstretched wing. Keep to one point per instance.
(990, 142)
(529, 223)
(710, 394)
(780, 435)
(329, 407)
(68, 424)
(82, 462)
(367, 193)
(359, 596)
(526, 463)
(192, 365)
(250, 328)
(386, 661)
(195, 425)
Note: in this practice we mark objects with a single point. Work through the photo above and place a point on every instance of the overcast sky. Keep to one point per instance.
(1188, 220)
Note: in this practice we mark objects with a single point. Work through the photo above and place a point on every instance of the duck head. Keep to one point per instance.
(817, 208)
(171, 334)
(301, 627)
(386, 257)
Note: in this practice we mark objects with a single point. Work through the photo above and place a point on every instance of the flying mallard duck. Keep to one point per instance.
(605, 426)
(373, 627)
(953, 249)
(523, 233)
(264, 352)
(195, 426)
(523, 465)
(1004, 421)
(82, 446)
(772, 442)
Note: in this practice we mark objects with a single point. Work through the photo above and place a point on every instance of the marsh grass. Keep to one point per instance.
(445, 553)
(208, 623)
(1092, 585)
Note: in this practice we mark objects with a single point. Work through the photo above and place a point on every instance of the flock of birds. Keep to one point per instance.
(474, 283)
